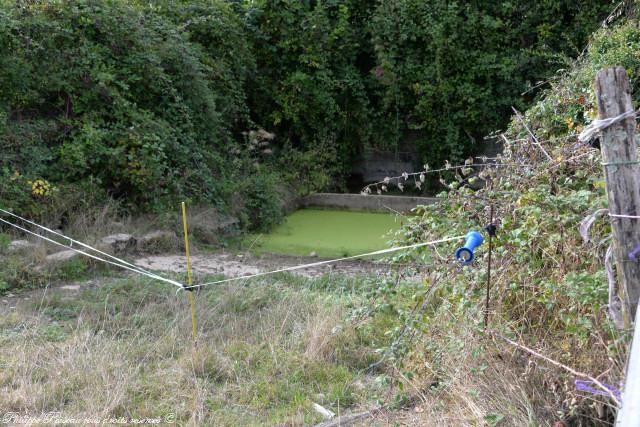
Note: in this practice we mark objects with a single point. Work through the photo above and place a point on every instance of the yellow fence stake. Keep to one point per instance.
(189, 276)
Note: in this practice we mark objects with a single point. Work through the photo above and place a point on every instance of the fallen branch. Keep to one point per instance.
(535, 140)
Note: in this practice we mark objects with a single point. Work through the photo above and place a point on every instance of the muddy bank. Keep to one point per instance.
(236, 265)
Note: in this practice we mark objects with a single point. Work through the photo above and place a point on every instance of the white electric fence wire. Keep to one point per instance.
(136, 269)
(624, 216)
(121, 263)
(84, 245)
(331, 261)
(597, 125)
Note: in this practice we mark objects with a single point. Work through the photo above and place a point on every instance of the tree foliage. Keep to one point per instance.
(101, 90)
(454, 69)
(149, 101)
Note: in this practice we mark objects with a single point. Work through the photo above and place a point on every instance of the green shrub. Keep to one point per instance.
(261, 198)
(112, 93)
(149, 102)
(314, 61)
(453, 70)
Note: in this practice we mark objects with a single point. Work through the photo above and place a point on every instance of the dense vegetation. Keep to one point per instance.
(549, 286)
(549, 289)
(149, 102)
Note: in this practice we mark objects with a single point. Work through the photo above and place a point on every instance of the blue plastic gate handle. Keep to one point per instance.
(465, 254)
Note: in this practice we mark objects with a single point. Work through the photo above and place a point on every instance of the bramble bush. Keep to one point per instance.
(119, 95)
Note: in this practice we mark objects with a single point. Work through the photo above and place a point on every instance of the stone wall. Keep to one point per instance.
(369, 203)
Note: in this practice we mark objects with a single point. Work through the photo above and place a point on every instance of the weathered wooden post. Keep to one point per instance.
(621, 170)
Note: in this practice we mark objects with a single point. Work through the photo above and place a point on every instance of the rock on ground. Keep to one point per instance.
(20, 245)
(208, 225)
(158, 241)
(118, 243)
(62, 256)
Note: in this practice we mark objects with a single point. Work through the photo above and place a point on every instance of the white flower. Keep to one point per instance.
(400, 186)
(405, 176)
(386, 179)
(422, 177)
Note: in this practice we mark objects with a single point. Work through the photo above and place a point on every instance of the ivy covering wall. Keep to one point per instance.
(145, 102)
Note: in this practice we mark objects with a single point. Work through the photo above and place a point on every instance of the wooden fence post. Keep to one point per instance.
(621, 169)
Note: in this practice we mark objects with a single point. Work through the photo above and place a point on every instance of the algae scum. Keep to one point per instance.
(329, 233)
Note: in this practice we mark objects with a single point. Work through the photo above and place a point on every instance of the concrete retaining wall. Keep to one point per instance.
(370, 202)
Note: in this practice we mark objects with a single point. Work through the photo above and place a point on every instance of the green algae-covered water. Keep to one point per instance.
(329, 233)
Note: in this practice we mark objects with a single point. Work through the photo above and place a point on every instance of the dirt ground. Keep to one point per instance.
(230, 265)
(236, 265)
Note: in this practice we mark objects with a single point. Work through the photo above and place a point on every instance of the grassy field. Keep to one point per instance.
(328, 233)
(85, 341)
(266, 352)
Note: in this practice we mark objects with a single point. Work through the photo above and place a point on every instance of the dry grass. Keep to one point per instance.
(462, 377)
(454, 386)
(97, 222)
(267, 351)
(264, 354)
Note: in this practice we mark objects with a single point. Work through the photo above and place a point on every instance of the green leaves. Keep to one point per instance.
(131, 102)
(453, 71)
(493, 419)
(152, 99)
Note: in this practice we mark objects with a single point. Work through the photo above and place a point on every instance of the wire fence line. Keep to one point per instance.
(119, 262)
(333, 261)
